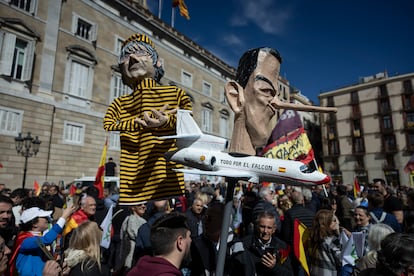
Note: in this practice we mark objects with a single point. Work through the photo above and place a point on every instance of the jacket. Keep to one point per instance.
(152, 266)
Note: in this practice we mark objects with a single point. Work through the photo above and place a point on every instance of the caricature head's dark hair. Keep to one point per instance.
(248, 63)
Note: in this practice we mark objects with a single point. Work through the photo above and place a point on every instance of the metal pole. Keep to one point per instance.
(221, 258)
(25, 169)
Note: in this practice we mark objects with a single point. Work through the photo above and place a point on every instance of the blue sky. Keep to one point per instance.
(324, 44)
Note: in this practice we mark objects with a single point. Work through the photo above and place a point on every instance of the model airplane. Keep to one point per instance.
(205, 153)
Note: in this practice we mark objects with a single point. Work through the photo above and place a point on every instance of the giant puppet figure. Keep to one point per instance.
(253, 97)
(141, 117)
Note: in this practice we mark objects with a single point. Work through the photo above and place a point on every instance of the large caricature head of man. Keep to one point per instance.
(139, 60)
(250, 97)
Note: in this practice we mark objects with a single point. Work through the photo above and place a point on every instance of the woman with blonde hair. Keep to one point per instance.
(324, 249)
(84, 253)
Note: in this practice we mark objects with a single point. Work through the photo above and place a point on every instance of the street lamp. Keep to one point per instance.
(24, 146)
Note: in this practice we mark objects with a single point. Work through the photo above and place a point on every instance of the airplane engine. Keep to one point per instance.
(201, 160)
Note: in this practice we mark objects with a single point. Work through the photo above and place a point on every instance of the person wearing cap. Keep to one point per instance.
(141, 117)
(29, 252)
(171, 241)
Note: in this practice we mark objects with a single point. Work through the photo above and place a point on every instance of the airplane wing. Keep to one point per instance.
(225, 172)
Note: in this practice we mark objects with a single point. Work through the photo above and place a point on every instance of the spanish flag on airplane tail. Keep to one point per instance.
(100, 174)
(182, 7)
(300, 235)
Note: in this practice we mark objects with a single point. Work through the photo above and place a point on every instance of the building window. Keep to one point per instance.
(358, 145)
(206, 120)
(408, 86)
(10, 121)
(118, 88)
(383, 91)
(186, 79)
(206, 89)
(331, 101)
(114, 140)
(83, 28)
(223, 99)
(26, 5)
(354, 97)
(333, 147)
(118, 45)
(410, 141)
(389, 143)
(224, 126)
(410, 118)
(408, 101)
(385, 106)
(73, 133)
(17, 56)
(357, 128)
(79, 75)
(387, 122)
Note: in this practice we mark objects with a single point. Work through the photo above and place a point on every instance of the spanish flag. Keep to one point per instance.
(357, 188)
(182, 7)
(300, 235)
(36, 187)
(75, 220)
(100, 174)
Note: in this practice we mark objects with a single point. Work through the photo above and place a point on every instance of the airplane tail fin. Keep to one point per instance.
(186, 126)
(187, 129)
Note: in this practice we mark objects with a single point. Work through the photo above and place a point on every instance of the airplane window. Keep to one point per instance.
(305, 169)
(213, 161)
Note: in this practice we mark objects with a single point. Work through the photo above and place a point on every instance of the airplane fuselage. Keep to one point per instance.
(253, 168)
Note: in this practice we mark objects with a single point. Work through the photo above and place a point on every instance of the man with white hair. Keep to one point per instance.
(265, 203)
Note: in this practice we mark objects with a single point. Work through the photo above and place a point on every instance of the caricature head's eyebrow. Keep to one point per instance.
(263, 78)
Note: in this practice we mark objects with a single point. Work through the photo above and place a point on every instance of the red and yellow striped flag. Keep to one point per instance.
(299, 237)
(36, 187)
(357, 188)
(100, 174)
(182, 7)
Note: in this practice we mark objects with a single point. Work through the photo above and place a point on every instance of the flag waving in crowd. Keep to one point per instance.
(299, 237)
(100, 174)
(289, 140)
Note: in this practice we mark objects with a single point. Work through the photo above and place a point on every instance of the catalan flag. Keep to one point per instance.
(100, 174)
(299, 237)
(182, 7)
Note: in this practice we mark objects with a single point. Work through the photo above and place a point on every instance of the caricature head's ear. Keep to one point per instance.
(235, 96)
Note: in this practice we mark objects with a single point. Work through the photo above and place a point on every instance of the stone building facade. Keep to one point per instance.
(59, 72)
(372, 135)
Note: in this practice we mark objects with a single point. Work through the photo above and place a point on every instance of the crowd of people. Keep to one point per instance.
(44, 235)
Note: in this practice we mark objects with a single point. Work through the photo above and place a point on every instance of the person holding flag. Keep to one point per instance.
(324, 248)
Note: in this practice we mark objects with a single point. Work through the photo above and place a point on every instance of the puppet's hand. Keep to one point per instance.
(159, 118)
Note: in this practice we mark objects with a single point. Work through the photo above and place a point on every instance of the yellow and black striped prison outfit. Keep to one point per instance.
(145, 174)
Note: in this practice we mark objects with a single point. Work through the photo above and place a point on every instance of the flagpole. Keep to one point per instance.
(159, 8)
(172, 17)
